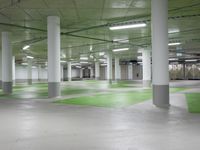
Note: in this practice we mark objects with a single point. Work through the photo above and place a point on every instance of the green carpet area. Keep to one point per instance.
(111, 100)
(193, 101)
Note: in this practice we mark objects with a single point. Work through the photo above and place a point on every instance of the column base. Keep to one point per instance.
(97, 78)
(29, 81)
(109, 81)
(53, 89)
(161, 96)
(1, 84)
(7, 87)
(69, 79)
(14, 82)
(146, 83)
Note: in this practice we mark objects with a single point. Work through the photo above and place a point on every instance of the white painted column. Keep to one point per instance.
(81, 73)
(39, 73)
(130, 71)
(29, 71)
(117, 69)
(13, 69)
(61, 72)
(146, 61)
(91, 73)
(109, 67)
(53, 26)
(0, 69)
(69, 71)
(6, 63)
(97, 70)
(160, 52)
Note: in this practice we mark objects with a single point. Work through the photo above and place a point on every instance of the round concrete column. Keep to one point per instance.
(69, 71)
(160, 52)
(97, 71)
(117, 69)
(29, 73)
(130, 71)
(6, 63)
(13, 69)
(62, 72)
(109, 67)
(53, 27)
(81, 73)
(0, 69)
(146, 61)
(91, 73)
(39, 73)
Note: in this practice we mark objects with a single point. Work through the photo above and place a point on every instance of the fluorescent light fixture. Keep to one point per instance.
(30, 57)
(63, 61)
(63, 56)
(24, 64)
(173, 44)
(91, 48)
(78, 66)
(173, 59)
(179, 54)
(101, 53)
(34, 67)
(84, 58)
(120, 49)
(128, 26)
(26, 47)
(84, 62)
(121, 40)
(191, 60)
(103, 64)
(103, 60)
(173, 31)
(91, 56)
(139, 57)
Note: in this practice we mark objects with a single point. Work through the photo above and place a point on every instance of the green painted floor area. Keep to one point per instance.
(40, 90)
(110, 100)
(193, 101)
(115, 99)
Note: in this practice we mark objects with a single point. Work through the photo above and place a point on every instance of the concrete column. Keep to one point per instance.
(6, 63)
(13, 69)
(53, 26)
(91, 73)
(97, 71)
(81, 73)
(29, 75)
(130, 71)
(69, 71)
(184, 75)
(109, 67)
(160, 52)
(117, 69)
(39, 73)
(0, 69)
(61, 72)
(146, 61)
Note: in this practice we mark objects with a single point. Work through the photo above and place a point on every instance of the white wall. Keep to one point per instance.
(75, 73)
(21, 73)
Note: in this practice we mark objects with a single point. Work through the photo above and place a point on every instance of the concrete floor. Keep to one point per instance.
(42, 125)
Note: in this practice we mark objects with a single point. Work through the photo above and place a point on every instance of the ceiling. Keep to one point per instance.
(85, 24)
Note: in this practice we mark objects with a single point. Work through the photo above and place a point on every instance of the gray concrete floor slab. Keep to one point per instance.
(42, 125)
